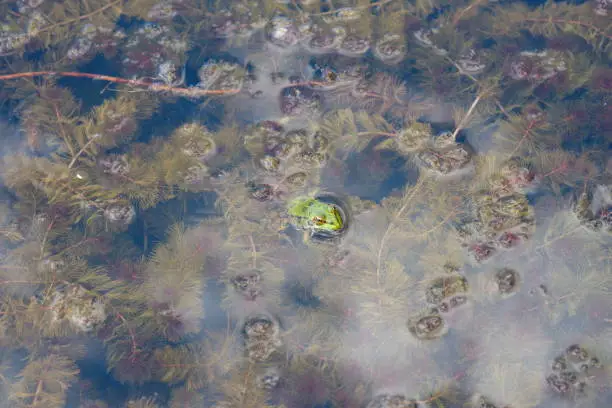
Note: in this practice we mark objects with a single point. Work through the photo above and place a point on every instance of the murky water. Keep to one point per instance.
(306, 204)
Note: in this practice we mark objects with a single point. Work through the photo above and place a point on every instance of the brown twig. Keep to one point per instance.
(156, 87)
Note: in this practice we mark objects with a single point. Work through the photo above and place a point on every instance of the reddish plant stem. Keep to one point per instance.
(559, 169)
(44, 240)
(61, 127)
(189, 92)
(132, 336)
(532, 124)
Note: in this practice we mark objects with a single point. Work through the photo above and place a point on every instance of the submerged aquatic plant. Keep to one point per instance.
(495, 116)
(44, 382)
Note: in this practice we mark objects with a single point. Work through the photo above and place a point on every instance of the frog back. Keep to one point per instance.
(300, 207)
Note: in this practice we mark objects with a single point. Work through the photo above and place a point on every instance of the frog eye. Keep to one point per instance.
(331, 75)
(318, 220)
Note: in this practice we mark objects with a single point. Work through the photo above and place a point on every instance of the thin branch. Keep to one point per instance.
(563, 21)
(526, 132)
(466, 117)
(366, 7)
(476, 81)
(44, 241)
(377, 134)
(435, 227)
(21, 282)
(459, 15)
(253, 251)
(80, 152)
(58, 115)
(132, 336)
(39, 388)
(391, 223)
(156, 87)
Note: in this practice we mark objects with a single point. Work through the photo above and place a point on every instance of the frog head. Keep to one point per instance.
(326, 217)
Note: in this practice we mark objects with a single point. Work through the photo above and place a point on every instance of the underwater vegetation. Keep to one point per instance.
(305, 204)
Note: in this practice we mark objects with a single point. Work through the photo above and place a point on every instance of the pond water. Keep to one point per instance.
(306, 204)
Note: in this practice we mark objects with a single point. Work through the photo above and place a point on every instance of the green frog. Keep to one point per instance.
(316, 216)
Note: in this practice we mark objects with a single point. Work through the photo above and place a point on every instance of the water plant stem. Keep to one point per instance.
(365, 7)
(152, 86)
(467, 116)
(399, 213)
